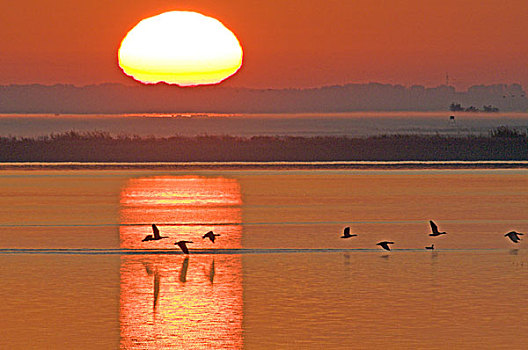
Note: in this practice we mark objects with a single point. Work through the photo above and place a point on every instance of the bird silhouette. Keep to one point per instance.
(183, 246)
(346, 233)
(514, 236)
(154, 237)
(385, 244)
(430, 247)
(211, 235)
(434, 228)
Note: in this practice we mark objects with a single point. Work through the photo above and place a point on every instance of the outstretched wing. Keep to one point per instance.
(346, 232)
(209, 235)
(156, 231)
(433, 226)
(513, 236)
(385, 244)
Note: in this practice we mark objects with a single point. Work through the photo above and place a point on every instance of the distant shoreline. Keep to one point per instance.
(352, 165)
(163, 98)
(102, 147)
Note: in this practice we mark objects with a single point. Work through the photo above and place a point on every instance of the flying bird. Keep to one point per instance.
(434, 228)
(431, 247)
(346, 233)
(211, 235)
(154, 237)
(385, 244)
(514, 236)
(183, 246)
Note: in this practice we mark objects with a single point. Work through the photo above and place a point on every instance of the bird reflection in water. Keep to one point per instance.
(183, 270)
(212, 272)
(197, 301)
(188, 308)
(156, 289)
(346, 257)
(153, 272)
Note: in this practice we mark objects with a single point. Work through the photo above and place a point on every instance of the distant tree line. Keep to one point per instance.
(457, 107)
(501, 144)
(161, 98)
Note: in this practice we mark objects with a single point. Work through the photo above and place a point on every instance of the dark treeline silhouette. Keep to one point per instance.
(457, 107)
(503, 144)
(161, 98)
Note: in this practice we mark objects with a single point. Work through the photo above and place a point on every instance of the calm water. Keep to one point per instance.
(76, 274)
(355, 124)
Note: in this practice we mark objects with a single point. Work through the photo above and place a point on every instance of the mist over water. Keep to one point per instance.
(358, 124)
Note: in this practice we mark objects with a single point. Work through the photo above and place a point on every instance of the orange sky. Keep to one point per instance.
(294, 43)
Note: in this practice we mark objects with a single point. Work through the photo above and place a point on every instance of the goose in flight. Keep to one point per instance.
(385, 244)
(183, 246)
(154, 237)
(430, 247)
(514, 236)
(346, 233)
(211, 235)
(434, 228)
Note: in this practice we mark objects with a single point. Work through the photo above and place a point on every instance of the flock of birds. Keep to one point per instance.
(182, 244)
(512, 235)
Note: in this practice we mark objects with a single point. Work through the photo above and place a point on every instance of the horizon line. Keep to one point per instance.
(202, 87)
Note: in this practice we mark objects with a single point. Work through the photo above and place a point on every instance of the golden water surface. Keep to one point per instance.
(75, 273)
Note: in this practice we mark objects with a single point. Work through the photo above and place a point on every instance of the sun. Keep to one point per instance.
(180, 47)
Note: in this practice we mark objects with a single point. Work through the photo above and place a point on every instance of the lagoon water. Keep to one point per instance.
(76, 275)
(352, 124)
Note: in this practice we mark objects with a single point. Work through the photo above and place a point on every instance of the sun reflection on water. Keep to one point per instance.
(183, 208)
(176, 301)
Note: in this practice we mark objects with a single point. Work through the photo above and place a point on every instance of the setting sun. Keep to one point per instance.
(180, 47)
